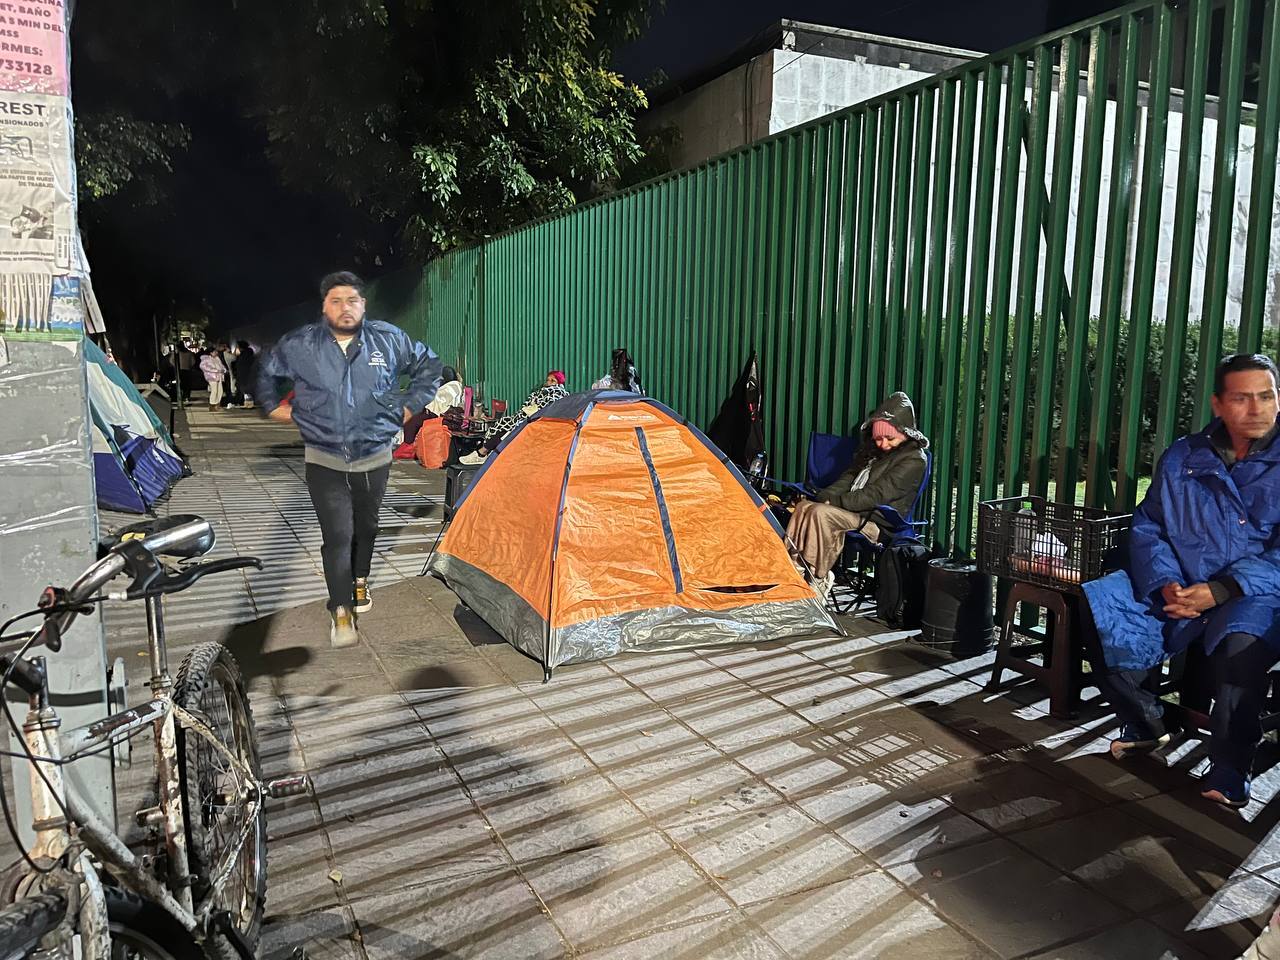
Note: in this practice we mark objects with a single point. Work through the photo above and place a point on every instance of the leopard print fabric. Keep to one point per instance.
(540, 398)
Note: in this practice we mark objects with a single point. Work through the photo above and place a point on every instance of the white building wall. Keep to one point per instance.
(806, 86)
(722, 115)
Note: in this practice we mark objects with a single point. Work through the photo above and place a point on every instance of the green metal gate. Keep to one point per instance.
(1043, 248)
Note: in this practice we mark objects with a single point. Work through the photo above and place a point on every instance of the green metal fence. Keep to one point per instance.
(1043, 248)
(442, 305)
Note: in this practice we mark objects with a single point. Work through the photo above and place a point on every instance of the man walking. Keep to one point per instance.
(348, 405)
(1204, 568)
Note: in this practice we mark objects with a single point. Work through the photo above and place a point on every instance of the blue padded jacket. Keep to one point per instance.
(350, 404)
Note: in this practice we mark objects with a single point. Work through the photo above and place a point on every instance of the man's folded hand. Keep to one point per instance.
(1187, 603)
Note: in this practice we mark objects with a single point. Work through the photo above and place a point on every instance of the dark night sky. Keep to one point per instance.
(234, 236)
(692, 34)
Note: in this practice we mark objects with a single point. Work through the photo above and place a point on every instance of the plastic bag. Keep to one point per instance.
(433, 444)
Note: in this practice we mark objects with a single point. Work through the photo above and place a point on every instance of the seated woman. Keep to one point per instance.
(886, 470)
(622, 374)
(552, 389)
(448, 396)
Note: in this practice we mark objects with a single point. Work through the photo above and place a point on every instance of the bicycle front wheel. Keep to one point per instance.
(210, 686)
(25, 923)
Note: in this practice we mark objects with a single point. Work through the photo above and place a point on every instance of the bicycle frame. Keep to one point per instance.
(51, 793)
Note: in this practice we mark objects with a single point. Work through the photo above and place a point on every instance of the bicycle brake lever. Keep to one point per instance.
(186, 576)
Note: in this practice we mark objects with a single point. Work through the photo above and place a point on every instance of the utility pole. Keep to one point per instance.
(48, 503)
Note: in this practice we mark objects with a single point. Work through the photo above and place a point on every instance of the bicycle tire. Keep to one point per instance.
(25, 923)
(143, 930)
(209, 684)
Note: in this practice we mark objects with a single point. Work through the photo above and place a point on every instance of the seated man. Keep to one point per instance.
(886, 470)
(1204, 567)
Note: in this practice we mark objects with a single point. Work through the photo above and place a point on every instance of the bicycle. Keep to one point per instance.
(200, 891)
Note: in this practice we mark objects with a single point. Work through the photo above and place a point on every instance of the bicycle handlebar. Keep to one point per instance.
(150, 585)
(135, 551)
(177, 540)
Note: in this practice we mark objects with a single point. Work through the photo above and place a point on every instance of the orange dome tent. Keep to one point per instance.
(606, 522)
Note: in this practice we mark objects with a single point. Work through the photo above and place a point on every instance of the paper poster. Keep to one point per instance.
(37, 215)
(35, 306)
(66, 310)
(33, 46)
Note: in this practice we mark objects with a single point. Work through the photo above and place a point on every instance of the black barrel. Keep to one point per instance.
(457, 479)
(957, 608)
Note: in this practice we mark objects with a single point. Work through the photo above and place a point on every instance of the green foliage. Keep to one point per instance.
(449, 119)
(116, 152)
(436, 121)
(189, 321)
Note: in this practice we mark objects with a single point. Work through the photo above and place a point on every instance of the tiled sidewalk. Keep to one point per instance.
(839, 797)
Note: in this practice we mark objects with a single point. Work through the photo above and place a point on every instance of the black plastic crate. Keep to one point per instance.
(1050, 544)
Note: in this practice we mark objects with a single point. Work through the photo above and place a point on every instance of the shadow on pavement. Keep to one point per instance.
(248, 643)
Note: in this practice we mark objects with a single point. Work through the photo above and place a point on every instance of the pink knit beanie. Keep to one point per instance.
(883, 428)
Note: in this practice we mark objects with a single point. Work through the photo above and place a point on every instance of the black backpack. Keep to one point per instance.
(900, 580)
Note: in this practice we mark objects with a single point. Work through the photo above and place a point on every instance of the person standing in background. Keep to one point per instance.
(243, 368)
(214, 374)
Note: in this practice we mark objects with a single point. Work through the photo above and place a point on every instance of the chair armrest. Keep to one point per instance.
(786, 485)
(892, 518)
(899, 529)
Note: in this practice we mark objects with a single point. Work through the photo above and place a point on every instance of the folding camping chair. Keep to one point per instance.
(859, 575)
(828, 456)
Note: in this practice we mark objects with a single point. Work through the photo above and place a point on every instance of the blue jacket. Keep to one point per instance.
(349, 404)
(1199, 522)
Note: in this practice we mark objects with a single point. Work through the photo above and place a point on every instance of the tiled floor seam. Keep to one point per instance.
(226, 518)
(340, 892)
(676, 847)
(786, 798)
(674, 844)
(571, 949)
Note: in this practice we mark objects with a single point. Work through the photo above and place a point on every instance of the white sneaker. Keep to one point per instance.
(823, 587)
(343, 632)
(472, 459)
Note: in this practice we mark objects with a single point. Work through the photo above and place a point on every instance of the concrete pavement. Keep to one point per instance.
(860, 796)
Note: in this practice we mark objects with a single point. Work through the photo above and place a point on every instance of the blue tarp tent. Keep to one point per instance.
(134, 461)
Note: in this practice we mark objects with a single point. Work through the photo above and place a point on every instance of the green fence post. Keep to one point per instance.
(1098, 489)
(874, 388)
(1055, 261)
(895, 326)
(1028, 267)
(1266, 132)
(991, 468)
(860, 356)
(979, 260)
(829, 373)
(810, 327)
(1218, 254)
(1137, 381)
(945, 451)
(938, 225)
(913, 312)
(845, 356)
(1074, 376)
